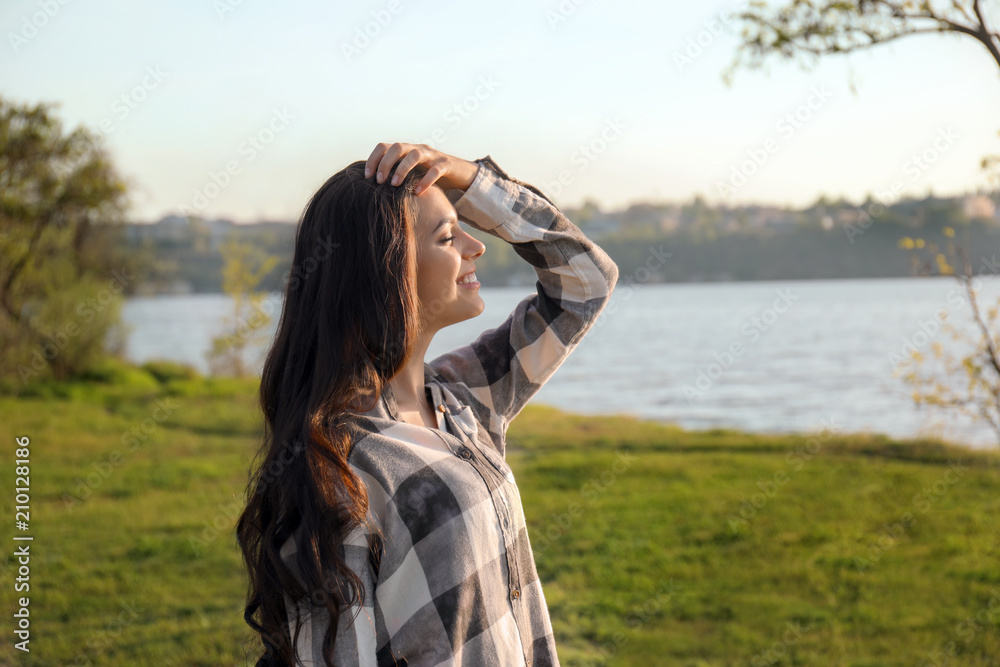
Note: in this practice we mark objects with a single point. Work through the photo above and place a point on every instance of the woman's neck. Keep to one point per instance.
(408, 384)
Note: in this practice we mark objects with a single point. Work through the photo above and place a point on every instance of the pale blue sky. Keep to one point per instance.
(680, 130)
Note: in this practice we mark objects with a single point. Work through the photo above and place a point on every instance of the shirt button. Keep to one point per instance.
(441, 407)
(516, 594)
(465, 453)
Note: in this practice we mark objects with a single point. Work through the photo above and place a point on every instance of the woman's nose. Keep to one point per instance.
(476, 247)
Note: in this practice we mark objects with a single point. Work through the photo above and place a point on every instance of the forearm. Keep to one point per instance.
(564, 258)
(507, 365)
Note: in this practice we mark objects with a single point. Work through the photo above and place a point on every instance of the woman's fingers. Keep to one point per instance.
(385, 164)
(450, 171)
(434, 172)
(382, 159)
(376, 155)
(412, 158)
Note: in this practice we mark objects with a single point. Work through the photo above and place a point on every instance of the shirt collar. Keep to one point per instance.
(387, 408)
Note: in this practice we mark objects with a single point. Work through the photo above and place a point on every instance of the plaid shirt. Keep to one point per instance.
(452, 579)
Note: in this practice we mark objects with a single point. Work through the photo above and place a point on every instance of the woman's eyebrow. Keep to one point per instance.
(443, 222)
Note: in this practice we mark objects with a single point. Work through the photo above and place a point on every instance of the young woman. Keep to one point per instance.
(383, 525)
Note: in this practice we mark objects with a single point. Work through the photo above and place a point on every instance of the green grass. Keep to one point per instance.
(651, 543)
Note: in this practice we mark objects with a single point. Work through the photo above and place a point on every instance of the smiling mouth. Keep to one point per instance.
(469, 280)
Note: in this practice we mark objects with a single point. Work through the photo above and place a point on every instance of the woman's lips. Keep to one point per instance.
(474, 284)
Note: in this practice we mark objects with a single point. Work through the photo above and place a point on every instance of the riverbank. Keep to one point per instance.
(656, 546)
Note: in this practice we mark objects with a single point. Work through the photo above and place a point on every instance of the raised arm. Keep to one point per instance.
(507, 365)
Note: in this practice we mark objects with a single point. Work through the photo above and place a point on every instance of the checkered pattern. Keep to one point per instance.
(451, 579)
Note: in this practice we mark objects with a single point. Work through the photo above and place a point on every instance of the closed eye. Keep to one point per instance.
(450, 238)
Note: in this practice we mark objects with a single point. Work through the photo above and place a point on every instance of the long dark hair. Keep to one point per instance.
(347, 326)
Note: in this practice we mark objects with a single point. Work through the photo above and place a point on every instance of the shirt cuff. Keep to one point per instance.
(487, 203)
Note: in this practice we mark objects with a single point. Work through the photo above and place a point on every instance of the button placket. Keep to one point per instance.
(498, 493)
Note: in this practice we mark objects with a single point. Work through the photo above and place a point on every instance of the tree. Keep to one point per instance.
(63, 269)
(968, 382)
(815, 28)
(991, 165)
(245, 266)
(587, 212)
(809, 29)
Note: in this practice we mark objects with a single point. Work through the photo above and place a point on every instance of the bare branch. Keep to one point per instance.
(833, 27)
(961, 7)
(984, 329)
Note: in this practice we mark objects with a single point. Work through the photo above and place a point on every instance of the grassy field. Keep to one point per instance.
(656, 546)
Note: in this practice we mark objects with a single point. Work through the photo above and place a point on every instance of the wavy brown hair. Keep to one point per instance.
(347, 326)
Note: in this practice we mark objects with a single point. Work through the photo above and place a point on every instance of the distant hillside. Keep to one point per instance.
(650, 242)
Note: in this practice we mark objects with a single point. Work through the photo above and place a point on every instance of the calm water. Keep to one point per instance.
(824, 360)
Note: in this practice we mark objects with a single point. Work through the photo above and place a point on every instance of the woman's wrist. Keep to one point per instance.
(467, 174)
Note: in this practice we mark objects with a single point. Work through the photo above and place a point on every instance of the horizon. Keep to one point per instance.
(731, 206)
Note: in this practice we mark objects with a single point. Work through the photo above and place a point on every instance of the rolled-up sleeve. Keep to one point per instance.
(504, 367)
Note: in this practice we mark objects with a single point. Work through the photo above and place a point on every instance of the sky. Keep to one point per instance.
(241, 109)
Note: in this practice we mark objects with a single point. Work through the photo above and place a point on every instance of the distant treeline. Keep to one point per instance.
(650, 244)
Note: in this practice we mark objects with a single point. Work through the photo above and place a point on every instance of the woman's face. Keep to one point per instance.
(444, 253)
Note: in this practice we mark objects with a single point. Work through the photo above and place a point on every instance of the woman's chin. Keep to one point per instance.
(476, 312)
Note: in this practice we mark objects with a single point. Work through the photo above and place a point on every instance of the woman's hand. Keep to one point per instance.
(448, 171)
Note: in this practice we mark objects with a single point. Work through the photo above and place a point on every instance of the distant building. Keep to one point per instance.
(847, 216)
(670, 222)
(979, 206)
(770, 216)
(178, 228)
(172, 227)
(601, 224)
(217, 231)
